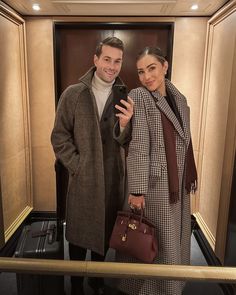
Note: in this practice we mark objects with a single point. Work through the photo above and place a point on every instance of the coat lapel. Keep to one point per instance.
(184, 113)
(182, 107)
(163, 105)
(87, 81)
(107, 106)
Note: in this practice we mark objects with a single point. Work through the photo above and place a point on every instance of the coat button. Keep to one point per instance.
(105, 119)
(103, 141)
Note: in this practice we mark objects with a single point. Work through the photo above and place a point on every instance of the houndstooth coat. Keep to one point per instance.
(147, 175)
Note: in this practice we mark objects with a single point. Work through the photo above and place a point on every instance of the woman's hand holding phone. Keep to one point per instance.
(126, 112)
(123, 105)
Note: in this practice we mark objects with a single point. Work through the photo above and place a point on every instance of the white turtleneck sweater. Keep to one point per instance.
(101, 91)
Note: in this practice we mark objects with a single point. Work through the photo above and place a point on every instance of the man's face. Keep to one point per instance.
(109, 63)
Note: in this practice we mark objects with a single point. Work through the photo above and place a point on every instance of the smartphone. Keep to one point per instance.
(119, 92)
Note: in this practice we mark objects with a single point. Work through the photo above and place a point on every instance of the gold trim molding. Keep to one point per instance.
(206, 231)
(17, 222)
(160, 2)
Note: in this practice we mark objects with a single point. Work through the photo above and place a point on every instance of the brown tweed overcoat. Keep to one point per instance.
(147, 174)
(92, 153)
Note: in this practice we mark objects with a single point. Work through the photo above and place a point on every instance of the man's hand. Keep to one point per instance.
(126, 112)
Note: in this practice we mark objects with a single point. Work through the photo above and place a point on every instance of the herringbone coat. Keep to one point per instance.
(91, 152)
(147, 175)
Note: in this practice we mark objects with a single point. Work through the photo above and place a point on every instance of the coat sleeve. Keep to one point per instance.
(138, 156)
(62, 136)
(124, 137)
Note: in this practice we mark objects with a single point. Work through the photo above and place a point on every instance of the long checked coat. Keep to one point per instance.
(147, 175)
(91, 151)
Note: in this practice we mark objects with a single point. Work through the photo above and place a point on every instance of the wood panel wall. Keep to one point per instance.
(39, 35)
(187, 74)
(218, 128)
(15, 149)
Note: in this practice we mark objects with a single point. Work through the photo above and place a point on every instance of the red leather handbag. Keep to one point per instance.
(134, 235)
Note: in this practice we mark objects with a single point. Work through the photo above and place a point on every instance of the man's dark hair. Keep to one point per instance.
(154, 51)
(110, 41)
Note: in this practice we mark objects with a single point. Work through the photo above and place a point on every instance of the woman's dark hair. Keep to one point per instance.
(154, 51)
(110, 41)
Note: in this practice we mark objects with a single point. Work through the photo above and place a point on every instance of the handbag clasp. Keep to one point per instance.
(132, 226)
(123, 238)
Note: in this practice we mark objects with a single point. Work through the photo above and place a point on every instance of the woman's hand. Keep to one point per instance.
(126, 112)
(136, 202)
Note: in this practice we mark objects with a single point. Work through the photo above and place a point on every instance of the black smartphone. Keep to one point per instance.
(119, 92)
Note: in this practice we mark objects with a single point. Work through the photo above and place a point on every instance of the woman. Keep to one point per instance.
(161, 168)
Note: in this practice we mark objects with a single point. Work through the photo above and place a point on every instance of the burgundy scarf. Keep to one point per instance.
(171, 158)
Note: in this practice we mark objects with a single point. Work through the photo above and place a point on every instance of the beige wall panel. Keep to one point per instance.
(220, 61)
(46, 176)
(39, 35)
(15, 164)
(2, 235)
(228, 169)
(188, 63)
(187, 72)
(12, 141)
(14, 187)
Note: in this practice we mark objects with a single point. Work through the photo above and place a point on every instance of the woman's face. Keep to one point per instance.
(152, 73)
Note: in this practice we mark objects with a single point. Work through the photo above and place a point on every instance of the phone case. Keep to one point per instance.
(119, 92)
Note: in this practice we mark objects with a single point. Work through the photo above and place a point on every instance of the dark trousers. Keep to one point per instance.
(78, 253)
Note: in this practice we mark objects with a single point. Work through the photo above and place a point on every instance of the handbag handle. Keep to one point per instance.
(134, 211)
(142, 218)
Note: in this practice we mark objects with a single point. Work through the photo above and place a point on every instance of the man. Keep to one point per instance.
(87, 138)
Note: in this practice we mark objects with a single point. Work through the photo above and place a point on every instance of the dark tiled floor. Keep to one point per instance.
(8, 280)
